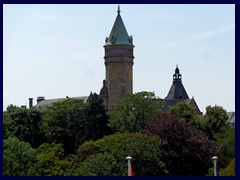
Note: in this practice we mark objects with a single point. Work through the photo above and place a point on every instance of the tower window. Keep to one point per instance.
(113, 39)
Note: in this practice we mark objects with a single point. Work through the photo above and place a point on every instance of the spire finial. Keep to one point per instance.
(118, 9)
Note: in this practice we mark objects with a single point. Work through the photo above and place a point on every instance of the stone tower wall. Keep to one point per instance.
(119, 63)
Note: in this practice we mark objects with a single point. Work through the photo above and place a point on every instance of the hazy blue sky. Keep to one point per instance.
(57, 50)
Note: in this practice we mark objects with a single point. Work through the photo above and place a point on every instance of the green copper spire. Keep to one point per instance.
(119, 33)
(118, 9)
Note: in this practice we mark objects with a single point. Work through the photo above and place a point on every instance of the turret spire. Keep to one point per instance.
(119, 33)
(177, 90)
(177, 76)
(118, 9)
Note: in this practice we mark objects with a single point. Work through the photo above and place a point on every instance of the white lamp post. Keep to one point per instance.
(215, 158)
(129, 165)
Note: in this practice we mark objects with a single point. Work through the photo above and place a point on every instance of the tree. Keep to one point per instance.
(101, 164)
(226, 141)
(107, 156)
(24, 124)
(183, 110)
(64, 123)
(50, 161)
(18, 157)
(97, 119)
(72, 122)
(131, 113)
(214, 119)
(184, 150)
(6, 132)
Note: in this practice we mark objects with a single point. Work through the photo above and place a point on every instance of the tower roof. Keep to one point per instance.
(119, 35)
(177, 90)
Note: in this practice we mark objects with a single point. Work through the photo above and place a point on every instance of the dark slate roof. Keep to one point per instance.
(172, 102)
(169, 103)
(177, 90)
(45, 103)
(119, 35)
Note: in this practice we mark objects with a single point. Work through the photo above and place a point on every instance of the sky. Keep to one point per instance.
(57, 50)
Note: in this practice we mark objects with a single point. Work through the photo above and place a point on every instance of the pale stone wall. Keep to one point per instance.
(119, 73)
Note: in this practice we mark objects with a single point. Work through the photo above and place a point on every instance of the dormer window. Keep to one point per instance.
(113, 40)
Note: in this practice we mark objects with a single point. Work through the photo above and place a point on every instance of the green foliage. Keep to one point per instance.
(24, 124)
(131, 113)
(210, 171)
(145, 151)
(73, 168)
(229, 170)
(65, 122)
(50, 161)
(97, 119)
(184, 150)
(6, 132)
(226, 140)
(187, 113)
(183, 110)
(18, 157)
(101, 164)
(214, 119)
(72, 122)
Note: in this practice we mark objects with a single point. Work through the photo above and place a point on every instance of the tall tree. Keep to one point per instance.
(215, 118)
(226, 141)
(18, 157)
(131, 113)
(97, 119)
(64, 122)
(72, 122)
(24, 124)
(185, 151)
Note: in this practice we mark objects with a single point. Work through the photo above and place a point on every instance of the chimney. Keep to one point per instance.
(40, 98)
(30, 103)
(23, 106)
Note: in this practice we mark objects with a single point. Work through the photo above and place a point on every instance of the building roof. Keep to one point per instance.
(231, 117)
(47, 102)
(119, 35)
(172, 102)
(169, 103)
(177, 90)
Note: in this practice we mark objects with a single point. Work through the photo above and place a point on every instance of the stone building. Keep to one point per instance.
(118, 63)
(178, 93)
(119, 73)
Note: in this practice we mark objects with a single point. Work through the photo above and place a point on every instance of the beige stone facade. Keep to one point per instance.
(119, 71)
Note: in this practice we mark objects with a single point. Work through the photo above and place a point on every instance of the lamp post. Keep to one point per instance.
(129, 165)
(215, 158)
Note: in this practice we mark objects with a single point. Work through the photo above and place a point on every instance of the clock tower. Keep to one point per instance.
(118, 62)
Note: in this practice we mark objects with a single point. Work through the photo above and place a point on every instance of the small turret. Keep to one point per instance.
(177, 90)
(104, 93)
(177, 76)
